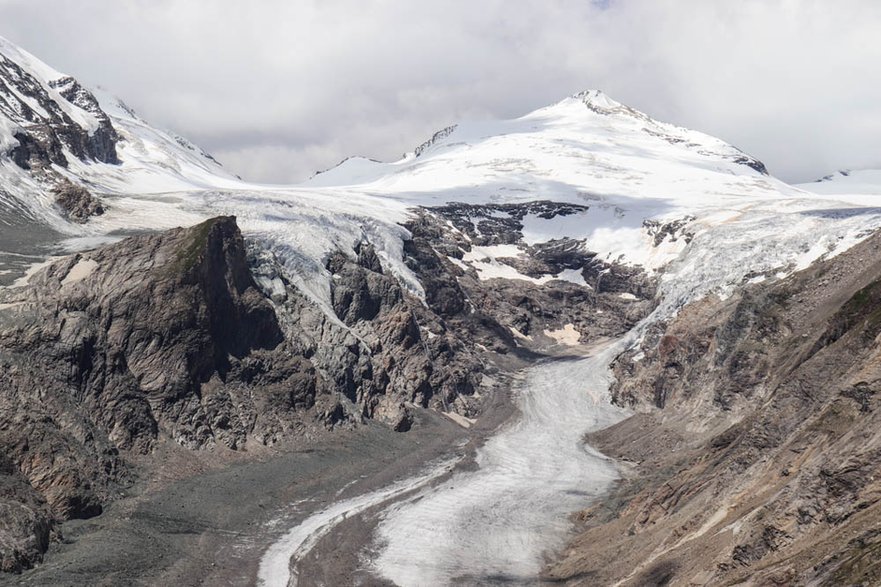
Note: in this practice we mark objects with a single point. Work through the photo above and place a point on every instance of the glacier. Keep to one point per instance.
(499, 521)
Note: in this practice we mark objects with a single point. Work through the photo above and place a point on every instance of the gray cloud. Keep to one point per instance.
(280, 88)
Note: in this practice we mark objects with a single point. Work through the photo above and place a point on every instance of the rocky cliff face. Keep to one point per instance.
(102, 352)
(46, 129)
(756, 450)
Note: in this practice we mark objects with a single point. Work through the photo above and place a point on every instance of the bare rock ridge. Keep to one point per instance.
(102, 352)
(44, 134)
(756, 444)
(76, 202)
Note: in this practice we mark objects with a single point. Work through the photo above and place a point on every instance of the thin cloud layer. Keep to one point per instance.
(279, 89)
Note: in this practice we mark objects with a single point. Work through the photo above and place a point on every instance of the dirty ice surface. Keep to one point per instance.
(496, 524)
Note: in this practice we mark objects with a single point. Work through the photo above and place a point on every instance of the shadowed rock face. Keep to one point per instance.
(103, 352)
(757, 441)
(45, 134)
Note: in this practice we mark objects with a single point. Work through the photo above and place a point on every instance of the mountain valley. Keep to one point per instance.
(525, 349)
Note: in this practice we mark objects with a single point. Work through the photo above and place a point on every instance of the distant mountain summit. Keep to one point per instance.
(848, 181)
(590, 122)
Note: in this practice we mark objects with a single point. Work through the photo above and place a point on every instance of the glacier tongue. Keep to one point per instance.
(497, 524)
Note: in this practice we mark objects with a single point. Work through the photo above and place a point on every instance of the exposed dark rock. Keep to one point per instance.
(162, 334)
(752, 163)
(45, 134)
(76, 202)
(613, 298)
(673, 230)
(493, 224)
(101, 143)
(438, 136)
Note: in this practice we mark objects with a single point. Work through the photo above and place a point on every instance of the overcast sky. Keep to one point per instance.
(278, 89)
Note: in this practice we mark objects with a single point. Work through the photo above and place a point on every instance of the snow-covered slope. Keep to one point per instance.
(53, 128)
(636, 176)
(634, 173)
(859, 181)
(152, 161)
(586, 141)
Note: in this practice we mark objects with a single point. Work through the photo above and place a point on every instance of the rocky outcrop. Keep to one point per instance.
(385, 353)
(76, 203)
(756, 444)
(46, 128)
(104, 352)
(100, 145)
(25, 520)
(532, 314)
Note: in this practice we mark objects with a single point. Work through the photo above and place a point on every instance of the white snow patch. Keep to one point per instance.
(80, 271)
(572, 276)
(7, 132)
(460, 419)
(518, 334)
(567, 335)
(458, 263)
(489, 263)
(497, 270)
(31, 271)
(490, 253)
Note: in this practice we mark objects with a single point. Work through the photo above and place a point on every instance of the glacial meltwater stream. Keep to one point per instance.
(498, 523)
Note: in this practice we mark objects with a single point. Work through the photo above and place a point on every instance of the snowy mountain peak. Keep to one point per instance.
(597, 98)
(15, 53)
(595, 101)
(54, 132)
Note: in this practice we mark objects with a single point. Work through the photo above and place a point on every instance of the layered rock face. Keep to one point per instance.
(103, 352)
(757, 444)
(45, 133)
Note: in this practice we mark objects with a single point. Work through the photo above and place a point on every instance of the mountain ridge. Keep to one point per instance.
(379, 294)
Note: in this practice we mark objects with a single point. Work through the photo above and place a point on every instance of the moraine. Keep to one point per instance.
(498, 523)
